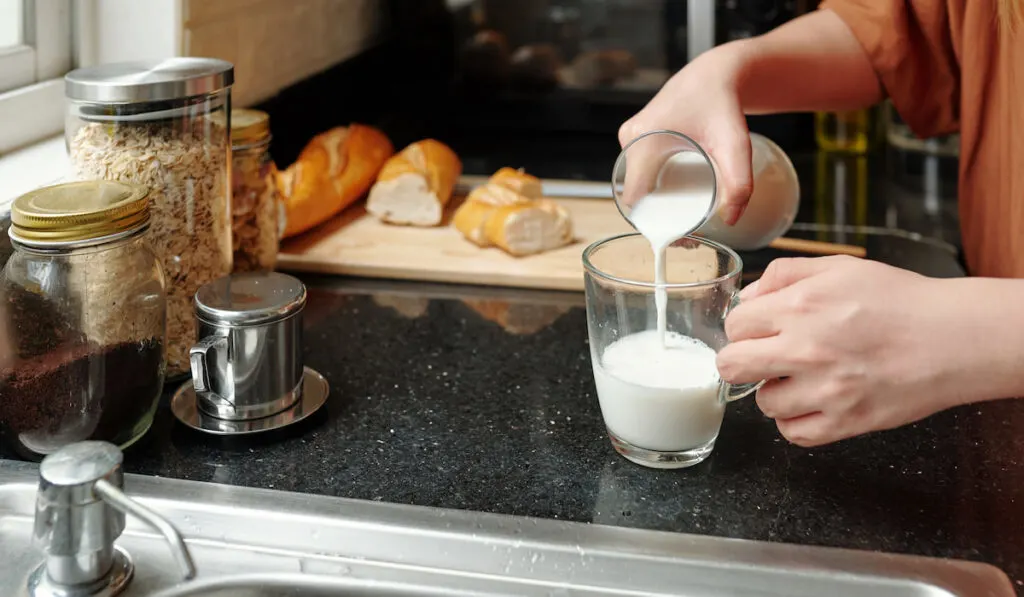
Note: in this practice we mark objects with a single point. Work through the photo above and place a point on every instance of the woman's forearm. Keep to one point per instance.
(811, 63)
(989, 336)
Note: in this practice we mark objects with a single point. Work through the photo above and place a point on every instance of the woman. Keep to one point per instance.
(852, 346)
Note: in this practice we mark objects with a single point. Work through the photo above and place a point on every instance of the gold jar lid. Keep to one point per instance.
(78, 211)
(249, 127)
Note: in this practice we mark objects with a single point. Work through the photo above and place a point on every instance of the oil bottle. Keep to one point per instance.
(853, 131)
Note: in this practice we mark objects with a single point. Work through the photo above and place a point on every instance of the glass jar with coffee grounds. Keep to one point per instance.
(83, 316)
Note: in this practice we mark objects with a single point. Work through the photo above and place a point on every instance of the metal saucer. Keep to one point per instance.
(314, 395)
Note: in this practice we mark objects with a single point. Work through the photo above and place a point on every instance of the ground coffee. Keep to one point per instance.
(38, 325)
(80, 392)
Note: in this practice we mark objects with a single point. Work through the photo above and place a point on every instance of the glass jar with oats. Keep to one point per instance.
(257, 212)
(164, 125)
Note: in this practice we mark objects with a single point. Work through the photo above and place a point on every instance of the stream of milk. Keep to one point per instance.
(682, 199)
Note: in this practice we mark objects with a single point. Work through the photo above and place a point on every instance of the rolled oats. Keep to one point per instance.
(185, 167)
(254, 210)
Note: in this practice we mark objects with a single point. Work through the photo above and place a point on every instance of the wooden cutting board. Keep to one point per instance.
(357, 244)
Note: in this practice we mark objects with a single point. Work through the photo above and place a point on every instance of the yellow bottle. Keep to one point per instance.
(855, 131)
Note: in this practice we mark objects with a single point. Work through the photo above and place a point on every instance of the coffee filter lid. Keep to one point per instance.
(250, 298)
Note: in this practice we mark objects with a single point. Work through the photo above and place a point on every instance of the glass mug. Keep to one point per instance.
(662, 407)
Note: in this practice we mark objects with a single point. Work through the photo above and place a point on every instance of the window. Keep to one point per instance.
(35, 52)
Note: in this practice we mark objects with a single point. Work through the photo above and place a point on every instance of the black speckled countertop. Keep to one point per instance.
(433, 403)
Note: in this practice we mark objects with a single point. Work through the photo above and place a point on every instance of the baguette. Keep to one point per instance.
(535, 67)
(471, 217)
(509, 212)
(518, 181)
(414, 186)
(525, 229)
(333, 171)
(601, 68)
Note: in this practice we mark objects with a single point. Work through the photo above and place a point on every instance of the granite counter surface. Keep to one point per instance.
(435, 404)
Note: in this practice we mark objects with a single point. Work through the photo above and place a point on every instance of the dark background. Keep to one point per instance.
(413, 85)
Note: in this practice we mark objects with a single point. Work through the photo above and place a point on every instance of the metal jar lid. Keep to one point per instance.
(249, 127)
(250, 298)
(76, 213)
(129, 82)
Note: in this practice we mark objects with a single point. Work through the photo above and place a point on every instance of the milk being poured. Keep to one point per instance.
(682, 199)
(659, 390)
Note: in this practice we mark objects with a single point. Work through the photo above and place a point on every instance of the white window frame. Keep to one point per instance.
(31, 75)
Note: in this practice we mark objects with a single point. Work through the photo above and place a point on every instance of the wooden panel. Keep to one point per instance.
(358, 244)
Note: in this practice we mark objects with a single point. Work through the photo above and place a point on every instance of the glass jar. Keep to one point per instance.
(256, 210)
(164, 125)
(661, 164)
(899, 136)
(83, 318)
(929, 166)
(6, 250)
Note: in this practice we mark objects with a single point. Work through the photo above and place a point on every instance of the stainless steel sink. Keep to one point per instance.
(261, 543)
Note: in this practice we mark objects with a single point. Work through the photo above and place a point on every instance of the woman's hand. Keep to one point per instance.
(811, 63)
(700, 101)
(851, 346)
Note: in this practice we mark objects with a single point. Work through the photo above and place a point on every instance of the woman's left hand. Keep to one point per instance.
(848, 346)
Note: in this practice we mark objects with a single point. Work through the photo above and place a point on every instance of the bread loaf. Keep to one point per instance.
(508, 212)
(535, 67)
(598, 68)
(472, 216)
(525, 229)
(518, 181)
(485, 61)
(333, 171)
(414, 186)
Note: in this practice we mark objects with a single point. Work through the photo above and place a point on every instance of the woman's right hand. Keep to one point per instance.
(701, 101)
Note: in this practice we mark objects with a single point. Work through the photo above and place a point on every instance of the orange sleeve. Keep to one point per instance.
(910, 45)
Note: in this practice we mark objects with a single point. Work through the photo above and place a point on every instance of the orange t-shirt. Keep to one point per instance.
(947, 66)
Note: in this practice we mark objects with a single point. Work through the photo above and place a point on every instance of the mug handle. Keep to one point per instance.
(742, 390)
(205, 359)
